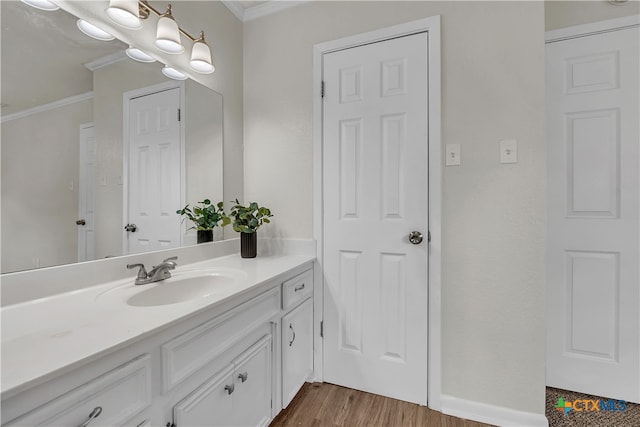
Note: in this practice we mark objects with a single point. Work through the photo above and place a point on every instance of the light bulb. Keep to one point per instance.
(201, 57)
(125, 13)
(41, 4)
(92, 31)
(168, 34)
(139, 55)
(172, 73)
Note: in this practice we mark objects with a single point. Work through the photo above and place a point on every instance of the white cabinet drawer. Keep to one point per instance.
(196, 348)
(120, 394)
(297, 289)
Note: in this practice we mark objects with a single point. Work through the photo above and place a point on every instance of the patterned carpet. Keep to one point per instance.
(589, 411)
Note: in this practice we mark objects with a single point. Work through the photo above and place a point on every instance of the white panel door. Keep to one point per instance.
(154, 178)
(375, 193)
(86, 187)
(593, 205)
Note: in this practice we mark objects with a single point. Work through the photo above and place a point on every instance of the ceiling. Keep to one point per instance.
(38, 45)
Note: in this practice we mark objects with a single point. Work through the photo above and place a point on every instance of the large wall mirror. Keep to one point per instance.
(69, 161)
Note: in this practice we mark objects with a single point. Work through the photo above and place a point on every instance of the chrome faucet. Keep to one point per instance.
(157, 273)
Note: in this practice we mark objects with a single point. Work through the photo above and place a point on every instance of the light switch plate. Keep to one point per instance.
(508, 151)
(452, 155)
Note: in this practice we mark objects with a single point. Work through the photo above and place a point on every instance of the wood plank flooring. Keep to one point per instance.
(322, 404)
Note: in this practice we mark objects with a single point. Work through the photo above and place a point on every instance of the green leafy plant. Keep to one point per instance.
(247, 219)
(207, 216)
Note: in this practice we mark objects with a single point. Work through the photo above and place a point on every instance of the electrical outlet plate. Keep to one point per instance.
(452, 155)
(508, 151)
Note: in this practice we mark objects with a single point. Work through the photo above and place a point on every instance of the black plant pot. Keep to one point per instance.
(248, 245)
(205, 236)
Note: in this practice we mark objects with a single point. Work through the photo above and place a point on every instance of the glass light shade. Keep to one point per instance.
(41, 4)
(139, 55)
(172, 73)
(93, 31)
(168, 36)
(201, 58)
(125, 13)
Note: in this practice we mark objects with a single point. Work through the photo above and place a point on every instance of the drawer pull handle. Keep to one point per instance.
(298, 288)
(93, 415)
(230, 388)
(294, 335)
(243, 377)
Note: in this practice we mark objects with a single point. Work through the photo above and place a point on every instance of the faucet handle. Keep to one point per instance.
(171, 261)
(142, 273)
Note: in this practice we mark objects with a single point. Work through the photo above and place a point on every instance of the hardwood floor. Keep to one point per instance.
(321, 404)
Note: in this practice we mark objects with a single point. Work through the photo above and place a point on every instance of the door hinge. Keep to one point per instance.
(179, 114)
(429, 236)
(322, 329)
(322, 89)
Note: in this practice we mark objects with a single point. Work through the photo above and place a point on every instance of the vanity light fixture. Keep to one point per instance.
(201, 56)
(93, 31)
(125, 13)
(41, 4)
(172, 73)
(139, 55)
(168, 34)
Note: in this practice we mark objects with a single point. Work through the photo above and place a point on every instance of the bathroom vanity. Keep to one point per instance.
(225, 341)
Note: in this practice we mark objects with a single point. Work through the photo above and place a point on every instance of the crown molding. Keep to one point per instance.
(235, 8)
(271, 6)
(46, 107)
(106, 60)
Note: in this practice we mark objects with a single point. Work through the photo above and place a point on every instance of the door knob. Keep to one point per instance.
(81, 222)
(131, 227)
(415, 237)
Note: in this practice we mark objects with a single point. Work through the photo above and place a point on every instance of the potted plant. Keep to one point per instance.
(205, 218)
(246, 221)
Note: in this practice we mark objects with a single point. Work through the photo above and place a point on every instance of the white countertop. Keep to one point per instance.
(44, 336)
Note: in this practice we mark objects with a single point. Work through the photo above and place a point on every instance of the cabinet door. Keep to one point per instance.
(252, 400)
(211, 404)
(297, 350)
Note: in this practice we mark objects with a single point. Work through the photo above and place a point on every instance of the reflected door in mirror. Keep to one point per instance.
(86, 186)
(154, 172)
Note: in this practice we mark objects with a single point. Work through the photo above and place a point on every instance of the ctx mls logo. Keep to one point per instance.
(588, 405)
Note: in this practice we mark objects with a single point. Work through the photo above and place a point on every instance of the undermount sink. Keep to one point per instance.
(183, 287)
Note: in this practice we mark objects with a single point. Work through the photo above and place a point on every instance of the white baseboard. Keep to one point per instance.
(490, 414)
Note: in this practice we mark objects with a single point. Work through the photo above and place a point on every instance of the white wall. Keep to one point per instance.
(560, 14)
(39, 206)
(493, 270)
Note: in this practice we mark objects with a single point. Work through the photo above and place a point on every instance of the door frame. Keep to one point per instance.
(126, 98)
(82, 249)
(584, 30)
(430, 25)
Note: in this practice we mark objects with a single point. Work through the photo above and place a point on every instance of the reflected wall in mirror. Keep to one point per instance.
(50, 98)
